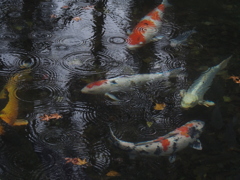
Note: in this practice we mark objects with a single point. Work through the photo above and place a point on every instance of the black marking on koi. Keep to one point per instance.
(158, 151)
(193, 132)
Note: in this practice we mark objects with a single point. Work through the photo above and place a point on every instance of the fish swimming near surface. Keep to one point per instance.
(194, 95)
(181, 39)
(147, 28)
(167, 145)
(124, 83)
(10, 112)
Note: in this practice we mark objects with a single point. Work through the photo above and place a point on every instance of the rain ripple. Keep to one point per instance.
(146, 29)
(17, 164)
(45, 166)
(116, 40)
(70, 41)
(85, 113)
(87, 63)
(115, 48)
(101, 156)
(8, 36)
(16, 60)
(41, 35)
(39, 93)
(44, 76)
(164, 61)
(14, 14)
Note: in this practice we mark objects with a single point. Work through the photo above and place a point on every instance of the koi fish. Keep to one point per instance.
(167, 145)
(124, 83)
(194, 95)
(181, 39)
(10, 112)
(147, 28)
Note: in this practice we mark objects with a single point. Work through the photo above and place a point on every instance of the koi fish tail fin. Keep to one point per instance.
(224, 63)
(122, 144)
(113, 136)
(166, 3)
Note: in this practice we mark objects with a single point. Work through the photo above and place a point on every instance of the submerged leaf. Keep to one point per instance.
(76, 161)
(227, 99)
(76, 18)
(46, 117)
(65, 7)
(113, 173)
(159, 106)
(236, 79)
(149, 124)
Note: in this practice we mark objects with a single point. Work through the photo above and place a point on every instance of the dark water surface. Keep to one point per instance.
(67, 44)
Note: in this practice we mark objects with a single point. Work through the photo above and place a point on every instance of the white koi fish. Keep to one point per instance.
(124, 83)
(167, 145)
(147, 28)
(194, 95)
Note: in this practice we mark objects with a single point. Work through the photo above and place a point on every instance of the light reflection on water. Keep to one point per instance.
(64, 54)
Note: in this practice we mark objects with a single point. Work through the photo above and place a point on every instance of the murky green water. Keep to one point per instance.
(64, 45)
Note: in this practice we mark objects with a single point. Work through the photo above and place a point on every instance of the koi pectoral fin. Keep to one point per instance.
(172, 158)
(111, 96)
(1, 130)
(20, 122)
(196, 145)
(157, 38)
(206, 103)
(3, 94)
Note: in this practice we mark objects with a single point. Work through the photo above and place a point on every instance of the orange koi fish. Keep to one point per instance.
(167, 145)
(147, 28)
(10, 112)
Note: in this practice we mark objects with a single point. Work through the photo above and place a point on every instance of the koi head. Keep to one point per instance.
(198, 124)
(193, 128)
(189, 100)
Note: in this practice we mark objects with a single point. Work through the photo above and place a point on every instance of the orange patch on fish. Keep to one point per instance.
(161, 7)
(154, 15)
(97, 83)
(144, 24)
(165, 144)
(135, 38)
(184, 129)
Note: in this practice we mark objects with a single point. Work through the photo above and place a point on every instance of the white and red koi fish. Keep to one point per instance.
(147, 28)
(194, 95)
(124, 83)
(169, 144)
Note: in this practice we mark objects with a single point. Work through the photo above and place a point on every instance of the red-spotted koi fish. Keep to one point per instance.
(124, 83)
(194, 95)
(147, 28)
(167, 145)
(10, 112)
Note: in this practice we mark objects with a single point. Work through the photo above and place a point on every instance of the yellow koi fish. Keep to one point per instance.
(9, 113)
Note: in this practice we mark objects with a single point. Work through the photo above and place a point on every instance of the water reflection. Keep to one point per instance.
(69, 44)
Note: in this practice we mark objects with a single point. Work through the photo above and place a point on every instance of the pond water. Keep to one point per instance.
(51, 49)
